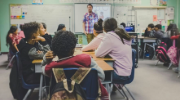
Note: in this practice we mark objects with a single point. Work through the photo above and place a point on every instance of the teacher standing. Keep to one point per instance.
(88, 23)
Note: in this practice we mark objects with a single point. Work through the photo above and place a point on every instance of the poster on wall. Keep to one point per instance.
(162, 2)
(154, 2)
(37, 2)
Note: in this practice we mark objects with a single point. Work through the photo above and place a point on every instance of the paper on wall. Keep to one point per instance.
(161, 14)
(16, 11)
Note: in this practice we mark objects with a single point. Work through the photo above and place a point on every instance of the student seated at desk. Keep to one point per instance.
(31, 49)
(63, 46)
(44, 34)
(61, 27)
(99, 35)
(158, 32)
(117, 44)
(149, 30)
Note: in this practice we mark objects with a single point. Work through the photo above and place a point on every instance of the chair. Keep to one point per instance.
(89, 84)
(130, 79)
(30, 87)
(11, 53)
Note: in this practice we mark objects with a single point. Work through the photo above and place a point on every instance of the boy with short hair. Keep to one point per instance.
(63, 46)
(149, 30)
(158, 32)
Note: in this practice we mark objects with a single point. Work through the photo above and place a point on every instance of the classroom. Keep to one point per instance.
(90, 49)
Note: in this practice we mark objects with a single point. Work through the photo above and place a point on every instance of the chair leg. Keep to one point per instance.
(156, 63)
(130, 93)
(10, 62)
(27, 94)
(124, 92)
(120, 91)
(170, 65)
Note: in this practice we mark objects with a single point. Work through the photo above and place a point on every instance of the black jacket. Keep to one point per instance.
(48, 39)
(29, 53)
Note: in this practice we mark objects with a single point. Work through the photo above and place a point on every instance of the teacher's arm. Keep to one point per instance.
(84, 25)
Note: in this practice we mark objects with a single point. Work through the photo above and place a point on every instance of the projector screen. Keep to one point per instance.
(102, 10)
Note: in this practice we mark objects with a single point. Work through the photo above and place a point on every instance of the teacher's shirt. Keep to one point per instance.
(89, 20)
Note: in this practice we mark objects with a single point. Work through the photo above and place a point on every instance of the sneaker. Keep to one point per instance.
(175, 70)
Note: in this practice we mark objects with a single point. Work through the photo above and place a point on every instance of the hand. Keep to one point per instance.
(39, 52)
(49, 55)
(39, 38)
(85, 33)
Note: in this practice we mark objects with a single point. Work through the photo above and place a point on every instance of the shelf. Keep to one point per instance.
(150, 7)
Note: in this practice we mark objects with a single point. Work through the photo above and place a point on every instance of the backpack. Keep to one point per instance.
(68, 89)
(173, 54)
(161, 52)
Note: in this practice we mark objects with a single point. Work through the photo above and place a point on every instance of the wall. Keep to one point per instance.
(5, 22)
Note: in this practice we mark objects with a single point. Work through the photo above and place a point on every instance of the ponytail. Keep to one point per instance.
(122, 34)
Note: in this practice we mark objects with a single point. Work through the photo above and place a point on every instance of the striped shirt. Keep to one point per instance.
(89, 20)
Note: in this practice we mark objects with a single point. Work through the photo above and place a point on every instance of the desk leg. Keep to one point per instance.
(144, 50)
(40, 87)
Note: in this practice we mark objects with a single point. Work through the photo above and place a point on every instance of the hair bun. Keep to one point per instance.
(100, 21)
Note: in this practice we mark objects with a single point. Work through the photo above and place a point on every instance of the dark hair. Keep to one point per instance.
(90, 5)
(21, 27)
(159, 26)
(98, 26)
(151, 25)
(30, 28)
(11, 30)
(44, 25)
(110, 24)
(123, 24)
(60, 27)
(63, 43)
(172, 26)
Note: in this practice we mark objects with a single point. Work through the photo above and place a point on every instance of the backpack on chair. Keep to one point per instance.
(161, 52)
(68, 89)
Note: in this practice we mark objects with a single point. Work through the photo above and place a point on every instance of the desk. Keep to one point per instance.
(105, 63)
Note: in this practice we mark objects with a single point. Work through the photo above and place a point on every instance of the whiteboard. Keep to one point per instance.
(51, 15)
(81, 10)
(145, 17)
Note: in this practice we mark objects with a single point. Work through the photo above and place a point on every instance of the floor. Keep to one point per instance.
(151, 83)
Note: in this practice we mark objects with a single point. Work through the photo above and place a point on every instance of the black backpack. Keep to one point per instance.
(161, 52)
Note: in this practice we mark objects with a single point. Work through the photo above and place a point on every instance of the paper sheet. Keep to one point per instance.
(161, 14)
(154, 18)
(16, 11)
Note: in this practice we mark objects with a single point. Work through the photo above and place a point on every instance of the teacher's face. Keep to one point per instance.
(89, 9)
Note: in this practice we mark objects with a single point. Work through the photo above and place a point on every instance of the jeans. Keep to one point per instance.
(117, 78)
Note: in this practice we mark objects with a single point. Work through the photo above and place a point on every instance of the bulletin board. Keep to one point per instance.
(52, 15)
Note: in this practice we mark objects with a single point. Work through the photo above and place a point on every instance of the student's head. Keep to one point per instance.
(64, 43)
(151, 26)
(45, 27)
(171, 26)
(158, 27)
(98, 27)
(61, 27)
(90, 7)
(31, 30)
(21, 27)
(13, 30)
(110, 24)
(123, 24)
(42, 31)
(173, 29)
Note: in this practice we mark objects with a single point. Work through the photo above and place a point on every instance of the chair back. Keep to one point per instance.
(89, 84)
(19, 66)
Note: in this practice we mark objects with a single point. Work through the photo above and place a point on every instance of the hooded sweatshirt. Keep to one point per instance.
(122, 53)
(28, 53)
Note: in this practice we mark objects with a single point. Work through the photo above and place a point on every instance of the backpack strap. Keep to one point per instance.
(59, 74)
(174, 43)
(80, 74)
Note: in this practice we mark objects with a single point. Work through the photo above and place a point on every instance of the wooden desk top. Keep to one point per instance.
(146, 38)
(104, 65)
(77, 52)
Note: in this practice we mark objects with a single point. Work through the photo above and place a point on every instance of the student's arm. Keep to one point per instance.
(92, 45)
(99, 70)
(84, 25)
(15, 46)
(104, 48)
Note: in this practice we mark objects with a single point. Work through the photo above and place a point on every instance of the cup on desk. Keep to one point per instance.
(140, 35)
